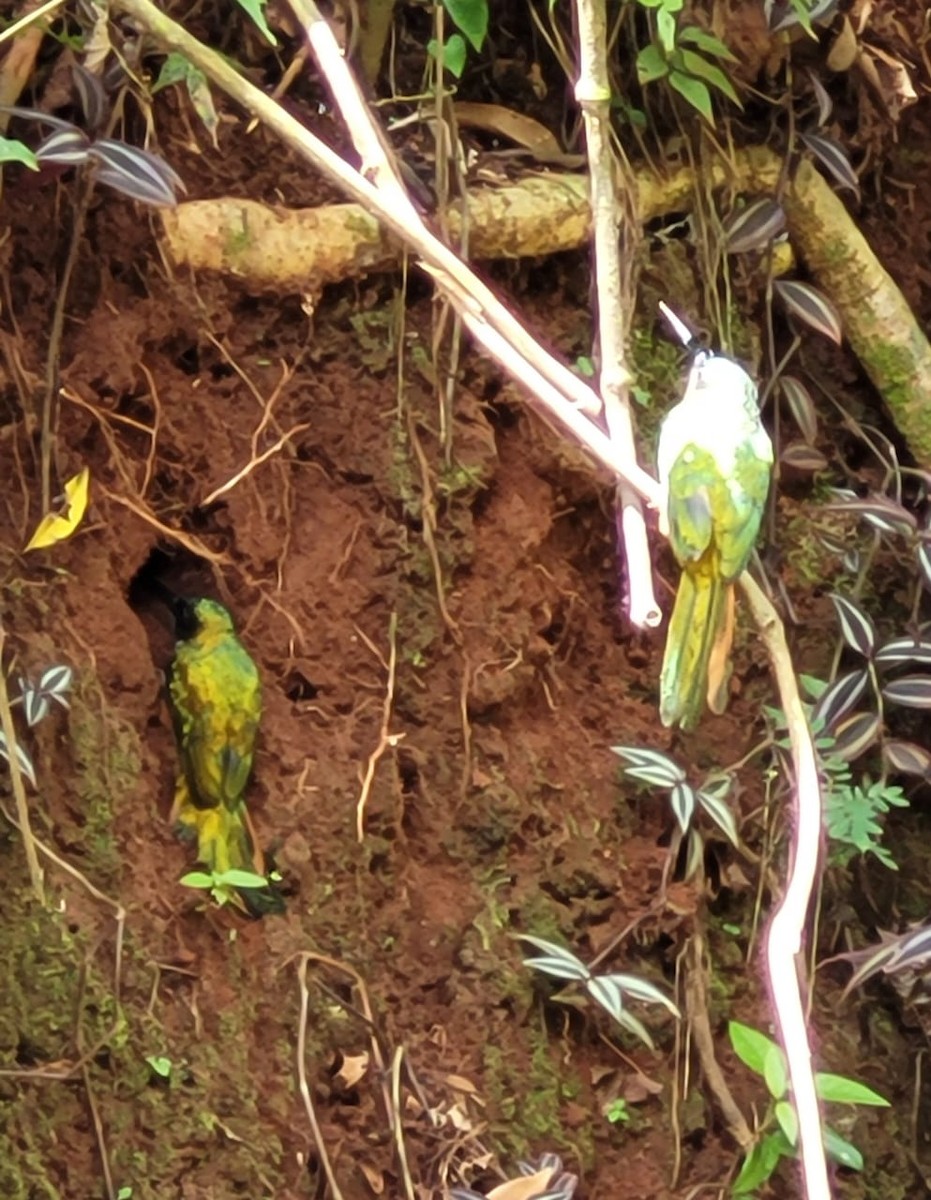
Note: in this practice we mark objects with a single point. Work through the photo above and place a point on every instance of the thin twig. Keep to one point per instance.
(386, 740)
(593, 93)
(397, 1122)
(56, 332)
(252, 464)
(563, 393)
(696, 1007)
(786, 929)
(16, 776)
(25, 21)
(188, 541)
(319, 1142)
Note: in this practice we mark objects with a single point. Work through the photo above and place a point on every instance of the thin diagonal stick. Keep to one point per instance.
(304, 1087)
(565, 395)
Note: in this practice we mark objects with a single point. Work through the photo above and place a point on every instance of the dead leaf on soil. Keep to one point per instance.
(843, 53)
(373, 1177)
(460, 1084)
(888, 77)
(639, 1087)
(351, 1070)
(524, 1188)
(516, 127)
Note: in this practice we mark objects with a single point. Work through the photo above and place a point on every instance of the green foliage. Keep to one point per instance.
(618, 1112)
(12, 150)
(256, 10)
(176, 69)
(453, 56)
(160, 1065)
(683, 57)
(222, 885)
(852, 812)
(778, 1135)
(471, 19)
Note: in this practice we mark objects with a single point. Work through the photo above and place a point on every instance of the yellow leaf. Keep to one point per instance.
(55, 527)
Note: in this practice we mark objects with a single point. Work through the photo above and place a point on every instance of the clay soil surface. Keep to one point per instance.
(445, 662)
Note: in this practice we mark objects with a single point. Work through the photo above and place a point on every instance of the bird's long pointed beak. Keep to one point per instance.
(679, 327)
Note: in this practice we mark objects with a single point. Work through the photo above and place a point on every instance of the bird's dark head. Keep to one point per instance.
(194, 617)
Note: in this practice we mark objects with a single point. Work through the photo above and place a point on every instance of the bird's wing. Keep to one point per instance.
(742, 509)
(689, 504)
(706, 508)
(218, 700)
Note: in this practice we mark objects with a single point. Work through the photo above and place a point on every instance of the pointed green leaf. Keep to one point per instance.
(750, 1046)
(840, 1090)
(241, 879)
(197, 879)
(12, 150)
(256, 10)
(666, 29)
(788, 1121)
(694, 91)
(842, 1151)
(696, 65)
(651, 65)
(759, 1164)
(694, 35)
(470, 18)
(776, 1074)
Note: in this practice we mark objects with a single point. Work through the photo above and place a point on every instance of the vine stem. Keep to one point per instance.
(16, 776)
(614, 211)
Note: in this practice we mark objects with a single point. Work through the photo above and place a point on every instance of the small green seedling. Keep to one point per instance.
(222, 885)
(778, 1135)
(160, 1065)
(617, 1112)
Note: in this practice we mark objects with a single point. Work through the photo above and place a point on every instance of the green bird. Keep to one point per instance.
(714, 461)
(216, 700)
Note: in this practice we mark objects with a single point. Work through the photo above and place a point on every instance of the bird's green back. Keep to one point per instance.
(708, 511)
(217, 701)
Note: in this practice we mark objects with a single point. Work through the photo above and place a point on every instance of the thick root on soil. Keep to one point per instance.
(301, 250)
